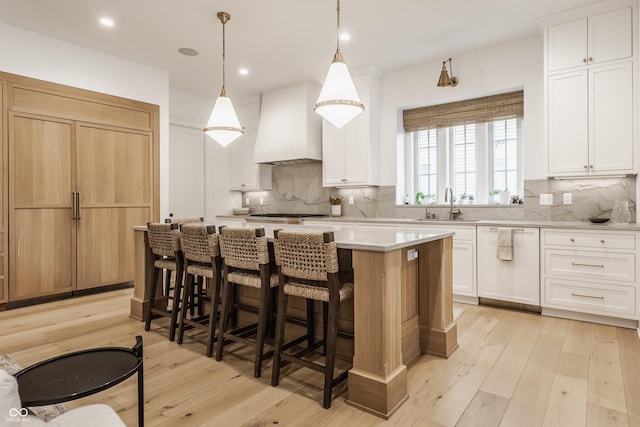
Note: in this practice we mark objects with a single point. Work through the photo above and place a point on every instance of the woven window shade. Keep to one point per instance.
(477, 110)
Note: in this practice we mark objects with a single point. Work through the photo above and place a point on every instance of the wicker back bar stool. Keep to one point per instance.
(245, 258)
(199, 281)
(164, 241)
(184, 220)
(201, 253)
(308, 268)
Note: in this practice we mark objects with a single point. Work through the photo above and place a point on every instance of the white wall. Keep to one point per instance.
(33, 55)
(500, 68)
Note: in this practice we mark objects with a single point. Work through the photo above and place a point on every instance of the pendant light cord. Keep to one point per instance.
(223, 17)
(338, 28)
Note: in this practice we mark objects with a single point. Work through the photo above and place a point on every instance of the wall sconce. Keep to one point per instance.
(444, 79)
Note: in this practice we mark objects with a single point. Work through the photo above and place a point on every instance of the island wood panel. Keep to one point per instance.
(409, 307)
(42, 232)
(114, 170)
(438, 331)
(378, 379)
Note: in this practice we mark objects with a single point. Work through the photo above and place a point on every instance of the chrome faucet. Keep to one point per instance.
(448, 197)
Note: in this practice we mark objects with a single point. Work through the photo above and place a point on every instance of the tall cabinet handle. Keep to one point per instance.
(74, 206)
(78, 206)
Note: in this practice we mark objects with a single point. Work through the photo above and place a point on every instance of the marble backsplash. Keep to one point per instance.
(298, 189)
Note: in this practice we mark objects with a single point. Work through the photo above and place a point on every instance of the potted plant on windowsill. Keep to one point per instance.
(336, 207)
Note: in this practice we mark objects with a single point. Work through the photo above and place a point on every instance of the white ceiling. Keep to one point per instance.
(279, 41)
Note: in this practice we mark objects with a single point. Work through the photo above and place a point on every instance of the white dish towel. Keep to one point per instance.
(505, 244)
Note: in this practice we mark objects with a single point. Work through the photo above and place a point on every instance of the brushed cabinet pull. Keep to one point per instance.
(74, 207)
(79, 215)
(591, 59)
(586, 296)
(518, 229)
(577, 264)
(602, 241)
(572, 239)
(584, 60)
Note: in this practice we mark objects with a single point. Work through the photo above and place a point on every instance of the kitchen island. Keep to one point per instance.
(403, 304)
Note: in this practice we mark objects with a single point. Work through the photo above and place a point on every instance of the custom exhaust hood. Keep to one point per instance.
(289, 131)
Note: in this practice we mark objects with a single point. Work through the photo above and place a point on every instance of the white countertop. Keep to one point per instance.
(493, 223)
(377, 239)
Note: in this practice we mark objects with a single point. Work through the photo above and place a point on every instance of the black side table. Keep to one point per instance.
(79, 374)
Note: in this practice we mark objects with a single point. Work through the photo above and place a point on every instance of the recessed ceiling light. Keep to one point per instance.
(107, 22)
(187, 51)
(344, 36)
(243, 71)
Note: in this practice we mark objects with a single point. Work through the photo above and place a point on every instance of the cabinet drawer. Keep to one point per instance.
(580, 239)
(593, 265)
(596, 298)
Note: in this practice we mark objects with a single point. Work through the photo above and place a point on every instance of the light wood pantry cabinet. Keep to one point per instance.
(76, 187)
(591, 94)
(590, 273)
(516, 280)
(350, 154)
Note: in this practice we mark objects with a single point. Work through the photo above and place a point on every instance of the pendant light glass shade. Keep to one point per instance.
(223, 125)
(338, 102)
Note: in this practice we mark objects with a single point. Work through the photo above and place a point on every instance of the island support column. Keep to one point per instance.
(143, 272)
(438, 331)
(378, 379)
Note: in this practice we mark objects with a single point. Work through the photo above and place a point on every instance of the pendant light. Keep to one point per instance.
(338, 102)
(223, 125)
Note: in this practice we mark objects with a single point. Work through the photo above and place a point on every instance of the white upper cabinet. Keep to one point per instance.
(248, 111)
(350, 155)
(244, 173)
(591, 93)
(590, 120)
(591, 40)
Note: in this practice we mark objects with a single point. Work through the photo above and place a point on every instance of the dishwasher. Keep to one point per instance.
(509, 266)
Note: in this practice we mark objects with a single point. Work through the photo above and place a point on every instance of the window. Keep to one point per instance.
(474, 158)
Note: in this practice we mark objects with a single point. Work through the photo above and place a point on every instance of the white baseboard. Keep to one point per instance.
(594, 318)
(465, 299)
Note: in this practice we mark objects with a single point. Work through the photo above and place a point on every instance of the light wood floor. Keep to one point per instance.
(511, 369)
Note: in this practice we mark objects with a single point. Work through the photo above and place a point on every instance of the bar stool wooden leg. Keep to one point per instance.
(280, 322)
(263, 319)
(330, 350)
(213, 309)
(175, 307)
(187, 297)
(227, 294)
(152, 298)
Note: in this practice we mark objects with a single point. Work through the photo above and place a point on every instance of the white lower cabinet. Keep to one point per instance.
(590, 272)
(516, 280)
